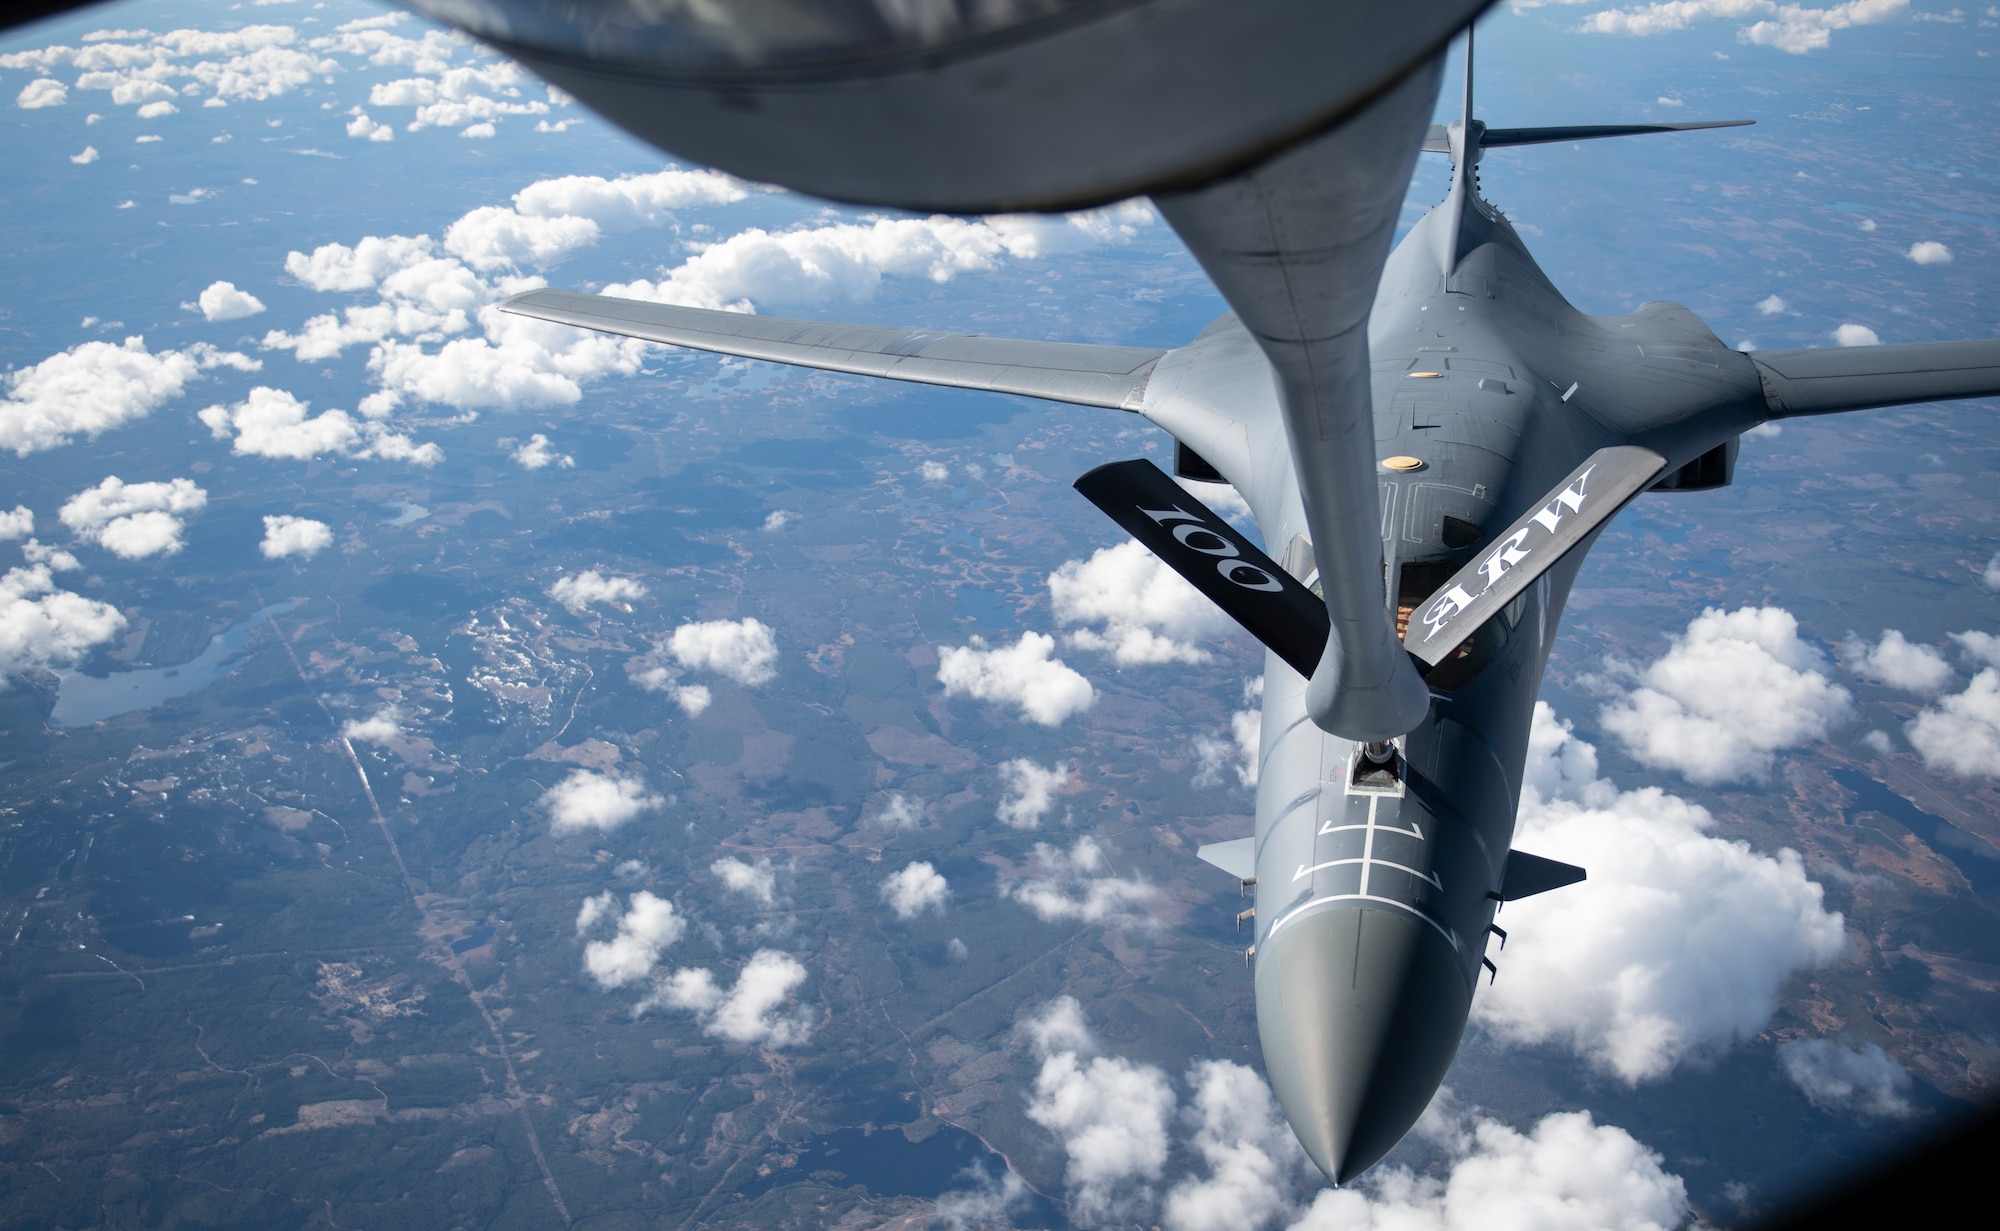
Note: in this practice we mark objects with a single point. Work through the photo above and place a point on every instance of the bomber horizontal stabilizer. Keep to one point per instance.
(1237, 857)
(1524, 551)
(1109, 376)
(1528, 875)
(1438, 141)
(1824, 381)
(1194, 541)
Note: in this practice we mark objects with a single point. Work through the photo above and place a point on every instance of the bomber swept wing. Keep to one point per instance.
(1108, 376)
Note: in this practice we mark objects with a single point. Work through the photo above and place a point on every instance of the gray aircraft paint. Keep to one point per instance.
(1375, 891)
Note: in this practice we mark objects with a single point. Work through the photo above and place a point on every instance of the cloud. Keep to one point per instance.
(42, 626)
(1149, 613)
(914, 890)
(1990, 577)
(1240, 751)
(648, 927)
(273, 423)
(590, 586)
(1929, 252)
(1979, 647)
(84, 159)
(1028, 792)
(17, 524)
(367, 129)
(1856, 335)
(156, 110)
(1731, 691)
(849, 260)
(286, 535)
(539, 453)
(91, 388)
(1568, 1173)
(459, 96)
(382, 727)
(1962, 733)
(1896, 662)
(1046, 689)
(223, 302)
(1859, 1081)
(43, 92)
(1077, 885)
(778, 520)
(1676, 945)
(895, 814)
(1248, 1149)
(744, 650)
(1788, 27)
(1772, 305)
(755, 881)
(134, 520)
(934, 472)
(749, 1012)
(631, 201)
(989, 1202)
(1110, 1114)
(590, 800)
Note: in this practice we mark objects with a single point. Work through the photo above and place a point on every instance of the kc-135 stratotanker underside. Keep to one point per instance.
(1428, 457)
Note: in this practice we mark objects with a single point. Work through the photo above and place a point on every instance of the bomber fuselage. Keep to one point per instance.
(1376, 885)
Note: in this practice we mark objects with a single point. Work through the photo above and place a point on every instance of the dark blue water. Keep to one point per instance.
(86, 699)
(473, 941)
(887, 1163)
(1973, 855)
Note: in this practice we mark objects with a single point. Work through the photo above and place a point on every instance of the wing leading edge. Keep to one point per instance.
(1109, 376)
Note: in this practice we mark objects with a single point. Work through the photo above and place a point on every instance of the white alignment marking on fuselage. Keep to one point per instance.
(1335, 899)
(1305, 871)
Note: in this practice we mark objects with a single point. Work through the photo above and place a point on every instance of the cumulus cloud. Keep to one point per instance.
(93, 387)
(42, 92)
(1028, 791)
(590, 586)
(1990, 576)
(647, 928)
(1078, 885)
(1248, 1150)
(1772, 305)
(1111, 1115)
(1676, 945)
(751, 1012)
(934, 472)
(383, 726)
(1568, 1173)
(1856, 335)
(138, 68)
(1239, 751)
(1864, 1081)
(1024, 674)
(84, 159)
(1929, 252)
(134, 520)
(895, 814)
(755, 881)
(1896, 662)
(917, 888)
(223, 302)
(1148, 612)
(43, 626)
(1788, 27)
(601, 802)
(286, 535)
(17, 524)
(274, 423)
(849, 260)
(1732, 690)
(744, 650)
(1961, 734)
(538, 454)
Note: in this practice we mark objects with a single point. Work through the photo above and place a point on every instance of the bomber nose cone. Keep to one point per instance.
(1360, 1011)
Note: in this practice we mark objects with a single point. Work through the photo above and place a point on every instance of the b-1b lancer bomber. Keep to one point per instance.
(1428, 456)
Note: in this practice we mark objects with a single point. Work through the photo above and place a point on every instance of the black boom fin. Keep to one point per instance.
(1194, 541)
